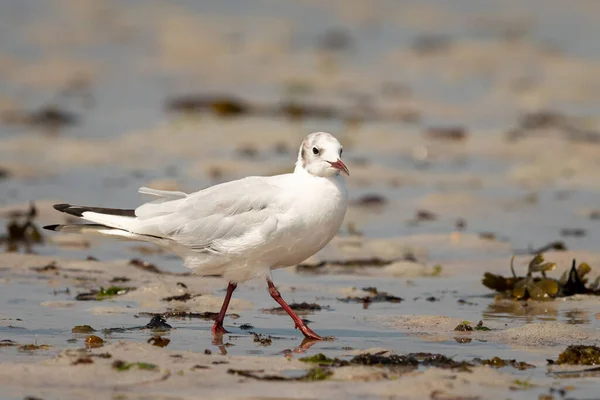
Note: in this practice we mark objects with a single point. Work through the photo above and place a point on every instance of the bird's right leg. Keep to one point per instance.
(217, 328)
(299, 324)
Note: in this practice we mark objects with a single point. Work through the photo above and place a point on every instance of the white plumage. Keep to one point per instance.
(242, 229)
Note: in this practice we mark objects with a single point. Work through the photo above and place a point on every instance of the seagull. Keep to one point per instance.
(240, 229)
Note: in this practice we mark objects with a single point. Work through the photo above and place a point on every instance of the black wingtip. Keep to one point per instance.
(70, 209)
(61, 207)
(52, 227)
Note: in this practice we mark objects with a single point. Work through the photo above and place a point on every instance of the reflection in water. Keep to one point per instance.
(576, 317)
(528, 311)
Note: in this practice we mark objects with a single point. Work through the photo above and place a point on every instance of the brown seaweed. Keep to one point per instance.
(541, 287)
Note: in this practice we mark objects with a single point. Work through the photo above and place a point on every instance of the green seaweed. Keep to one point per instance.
(125, 366)
(316, 374)
(580, 355)
(498, 362)
(82, 329)
(320, 359)
(481, 327)
(523, 384)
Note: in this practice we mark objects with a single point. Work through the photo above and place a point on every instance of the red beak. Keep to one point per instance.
(340, 165)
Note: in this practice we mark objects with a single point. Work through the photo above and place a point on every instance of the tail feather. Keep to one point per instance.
(79, 210)
(111, 217)
(98, 229)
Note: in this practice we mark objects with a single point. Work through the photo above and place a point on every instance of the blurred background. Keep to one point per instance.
(463, 115)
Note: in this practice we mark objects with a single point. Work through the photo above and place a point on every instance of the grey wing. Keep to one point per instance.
(223, 219)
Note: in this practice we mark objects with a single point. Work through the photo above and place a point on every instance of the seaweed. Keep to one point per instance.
(320, 359)
(498, 362)
(349, 263)
(102, 293)
(263, 340)
(50, 267)
(159, 341)
(541, 287)
(93, 341)
(464, 326)
(451, 133)
(120, 366)
(33, 347)
(145, 266)
(246, 327)
(22, 232)
(222, 106)
(374, 296)
(313, 374)
(480, 327)
(8, 343)
(183, 297)
(580, 355)
(303, 307)
(156, 324)
(82, 329)
(207, 315)
(370, 200)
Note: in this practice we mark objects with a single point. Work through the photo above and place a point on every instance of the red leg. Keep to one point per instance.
(297, 320)
(217, 328)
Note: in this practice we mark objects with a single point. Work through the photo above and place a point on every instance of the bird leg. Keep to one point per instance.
(217, 328)
(297, 320)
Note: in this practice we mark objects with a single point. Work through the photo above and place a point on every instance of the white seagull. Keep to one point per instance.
(241, 229)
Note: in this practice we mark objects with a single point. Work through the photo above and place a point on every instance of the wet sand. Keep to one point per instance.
(467, 144)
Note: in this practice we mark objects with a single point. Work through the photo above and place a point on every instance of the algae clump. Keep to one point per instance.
(581, 355)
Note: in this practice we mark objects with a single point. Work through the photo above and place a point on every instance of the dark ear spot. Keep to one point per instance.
(303, 156)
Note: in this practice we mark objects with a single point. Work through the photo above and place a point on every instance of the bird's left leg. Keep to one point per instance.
(297, 320)
(217, 328)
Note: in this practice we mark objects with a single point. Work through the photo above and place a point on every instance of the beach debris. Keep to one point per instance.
(182, 297)
(263, 340)
(313, 374)
(22, 231)
(246, 327)
(82, 329)
(320, 267)
(541, 287)
(369, 200)
(451, 133)
(102, 293)
(301, 308)
(50, 267)
(219, 105)
(374, 296)
(156, 324)
(145, 265)
(8, 343)
(498, 362)
(93, 341)
(320, 359)
(33, 347)
(464, 326)
(207, 315)
(159, 341)
(120, 366)
(50, 118)
(579, 355)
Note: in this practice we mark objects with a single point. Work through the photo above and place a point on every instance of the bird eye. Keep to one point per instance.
(315, 150)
